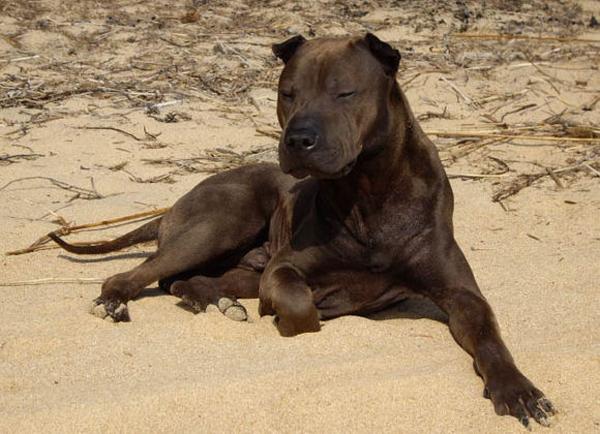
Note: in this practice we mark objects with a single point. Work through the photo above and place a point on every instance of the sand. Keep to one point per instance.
(536, 257)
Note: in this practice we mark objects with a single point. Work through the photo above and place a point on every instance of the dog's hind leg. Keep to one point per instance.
(227, 220)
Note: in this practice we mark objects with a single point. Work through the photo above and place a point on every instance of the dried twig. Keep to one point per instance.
(549, 79)
(555, 178)
(517, 110)
(167, 178)
(511, 136)
(53, 280)
(525, 180)
(119, 130)
(591, 169)
(477, 175)
(10, 158)
(500, 36)
(80, 192)
(21, 59)
(459, 92)
(269, 133)
(590, 106)
(68, 229)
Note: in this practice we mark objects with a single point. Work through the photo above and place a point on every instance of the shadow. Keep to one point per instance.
(412, 308)
(186, 307)
(132, 255)
(151, 292)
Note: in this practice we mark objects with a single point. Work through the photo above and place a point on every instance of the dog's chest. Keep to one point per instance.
(387, 237)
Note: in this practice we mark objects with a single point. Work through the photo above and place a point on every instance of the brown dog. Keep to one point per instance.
(372, 224)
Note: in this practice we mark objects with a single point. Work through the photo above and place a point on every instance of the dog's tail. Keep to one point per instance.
(147, 232)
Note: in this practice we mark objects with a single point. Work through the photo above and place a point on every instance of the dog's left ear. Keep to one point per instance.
(286, 49)
(384, 52)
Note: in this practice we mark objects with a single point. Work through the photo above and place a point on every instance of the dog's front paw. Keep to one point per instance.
(110, 309)
(232, 309)
(513, 394)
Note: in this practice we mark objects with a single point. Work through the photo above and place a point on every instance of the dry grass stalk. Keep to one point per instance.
(80, 192)
(53, 280)
(525, 180)
(66, 229)
(512, 136)
(119, 130)
(501, 36)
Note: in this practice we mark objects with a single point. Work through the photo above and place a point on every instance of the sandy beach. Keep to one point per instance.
(116, 108)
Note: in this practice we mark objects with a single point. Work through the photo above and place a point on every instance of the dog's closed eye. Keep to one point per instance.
(346, 94)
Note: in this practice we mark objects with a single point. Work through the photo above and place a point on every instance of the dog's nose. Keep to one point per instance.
(301, 139)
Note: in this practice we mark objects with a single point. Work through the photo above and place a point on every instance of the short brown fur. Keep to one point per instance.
(372, 224)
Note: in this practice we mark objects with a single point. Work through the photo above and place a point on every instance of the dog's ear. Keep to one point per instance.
(286, 49)
(384, 52)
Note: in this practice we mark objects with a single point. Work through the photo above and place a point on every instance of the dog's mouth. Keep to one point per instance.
(303, 172)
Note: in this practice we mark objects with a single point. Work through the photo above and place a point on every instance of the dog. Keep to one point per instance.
(357, 217)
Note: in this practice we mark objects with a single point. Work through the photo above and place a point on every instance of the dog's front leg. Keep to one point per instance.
(284, 292)
(449, 282)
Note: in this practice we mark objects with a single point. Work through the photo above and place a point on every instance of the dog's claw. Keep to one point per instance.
(547, 406)
(515, 395)
(540, 410)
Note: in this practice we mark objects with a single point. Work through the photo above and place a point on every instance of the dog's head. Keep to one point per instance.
(333, 102)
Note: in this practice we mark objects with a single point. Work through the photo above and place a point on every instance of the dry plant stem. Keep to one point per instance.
(555, 178)
(21, 59)
(159, 178)
(511, 136)
(499, 36)
(10, 158)
(458, 91)
(525, 180)
(65, 229)
(591, 169)
(269, 133)
(113, 129)
(108, 222)
(53, 280)
(590, 106)
(550, 80)
(517, 110)
(82, 193)
(476, 175)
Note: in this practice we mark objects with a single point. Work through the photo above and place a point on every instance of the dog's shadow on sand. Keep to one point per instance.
(412, 308)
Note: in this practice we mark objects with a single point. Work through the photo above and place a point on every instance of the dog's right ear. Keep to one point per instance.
(286, 49)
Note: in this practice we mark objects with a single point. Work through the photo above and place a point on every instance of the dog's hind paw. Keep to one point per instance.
(111, 310)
